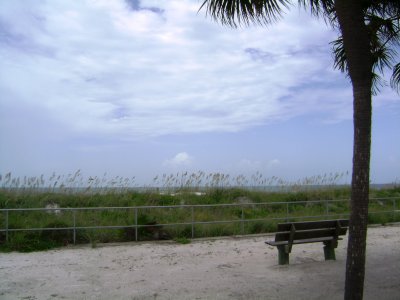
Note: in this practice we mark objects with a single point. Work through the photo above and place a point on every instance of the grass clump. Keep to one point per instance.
(182, 240)
(28, 242)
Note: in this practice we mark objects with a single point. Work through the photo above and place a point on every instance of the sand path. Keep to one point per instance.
(228, 268)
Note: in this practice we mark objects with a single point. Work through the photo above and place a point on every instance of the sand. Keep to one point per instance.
(226, 268)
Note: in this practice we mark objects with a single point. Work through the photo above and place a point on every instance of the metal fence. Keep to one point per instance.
(327, 209)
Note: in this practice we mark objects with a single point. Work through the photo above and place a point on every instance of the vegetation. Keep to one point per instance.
(243, 211)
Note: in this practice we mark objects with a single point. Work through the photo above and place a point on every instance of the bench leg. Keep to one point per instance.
(329, 251)
(283, 256)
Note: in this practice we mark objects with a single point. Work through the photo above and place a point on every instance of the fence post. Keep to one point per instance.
(192, 211)
(326, 207)
(6, 220)
(74, 220)
(136, 224)
(242, 220)
(287, 211)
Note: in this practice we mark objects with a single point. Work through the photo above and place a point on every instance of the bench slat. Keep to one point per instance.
(304, 241)
(309, 234)
(313, 224)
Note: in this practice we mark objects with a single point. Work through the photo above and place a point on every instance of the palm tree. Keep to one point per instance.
(369, 34)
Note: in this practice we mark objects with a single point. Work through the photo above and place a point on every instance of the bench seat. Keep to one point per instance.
(305, 241)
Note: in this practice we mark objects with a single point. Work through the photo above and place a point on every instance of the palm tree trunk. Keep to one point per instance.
(356, 251)
(357, 48)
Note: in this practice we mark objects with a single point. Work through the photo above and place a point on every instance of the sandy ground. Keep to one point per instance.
(229, 268)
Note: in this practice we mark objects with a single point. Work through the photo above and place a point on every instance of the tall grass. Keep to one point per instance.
(180, 190)
(181, 181)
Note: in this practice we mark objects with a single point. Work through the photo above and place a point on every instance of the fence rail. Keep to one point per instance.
(381, 203)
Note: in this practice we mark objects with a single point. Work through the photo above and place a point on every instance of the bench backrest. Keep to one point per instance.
(308, 230)
(313, 224)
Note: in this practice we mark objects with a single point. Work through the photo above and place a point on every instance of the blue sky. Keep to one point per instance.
(142, 88)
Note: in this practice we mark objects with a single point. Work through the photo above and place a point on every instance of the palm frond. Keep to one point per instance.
(382, 19)
(383, 30)
(377, 83)
(383, 8)
(339, 55)
(395, 79)
(382, 58)
(321, 8)
(237, 12)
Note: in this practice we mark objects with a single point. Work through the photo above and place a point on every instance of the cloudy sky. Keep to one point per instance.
(141, 88)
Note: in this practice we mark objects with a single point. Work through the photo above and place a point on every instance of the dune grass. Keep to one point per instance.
(254, 209)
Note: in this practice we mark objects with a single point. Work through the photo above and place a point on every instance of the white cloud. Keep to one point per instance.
(182, 159)
(102, 67)
(253, 166)
(250, 165)
(274, 162)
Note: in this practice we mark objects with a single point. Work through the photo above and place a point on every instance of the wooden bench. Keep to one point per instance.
(292, 233)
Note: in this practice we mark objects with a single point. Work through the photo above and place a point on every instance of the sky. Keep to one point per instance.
(143, 88)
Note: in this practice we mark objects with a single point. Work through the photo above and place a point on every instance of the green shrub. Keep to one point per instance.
(27, 242)
(182, 240)
(181, 231)
(127, 234)
(261, 227)
(379, 218)
(61, 237)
